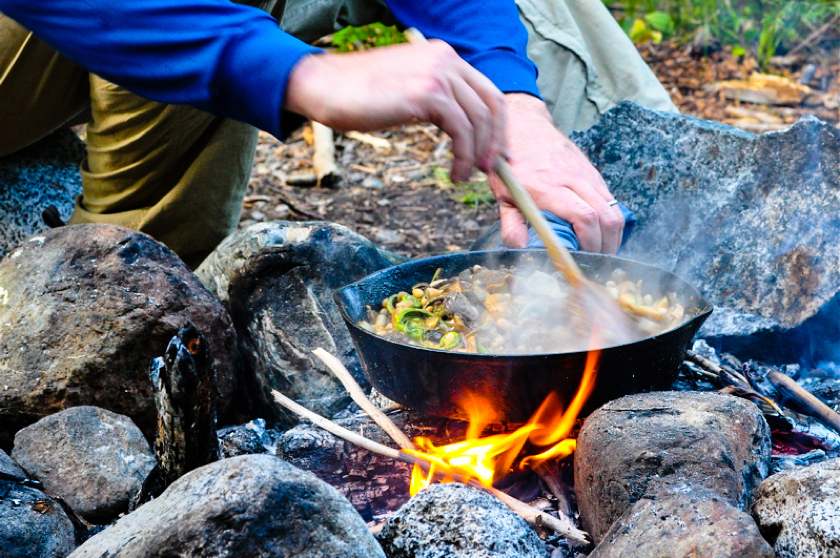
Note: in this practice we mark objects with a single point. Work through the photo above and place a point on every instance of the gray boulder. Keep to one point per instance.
(457, 521)
(641, 446)
(93, 459)
(686, 523)
(798, 511)
(750, 220)
(84, 310)
(254, 506)
(43, 174)
(277, 280)
(8, 465)
(32, 524)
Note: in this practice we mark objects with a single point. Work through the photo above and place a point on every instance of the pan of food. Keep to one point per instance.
(501, 326)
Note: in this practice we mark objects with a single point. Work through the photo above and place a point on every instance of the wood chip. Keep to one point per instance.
(763, 89)
(374, 141)
(754, 115)
(362, 168)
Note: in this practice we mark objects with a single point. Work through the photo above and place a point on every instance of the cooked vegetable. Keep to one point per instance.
(509, 311)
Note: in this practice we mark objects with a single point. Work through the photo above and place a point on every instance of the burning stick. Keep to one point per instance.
(562, 526)
(734, 382)
(549, 473)
(820, 410)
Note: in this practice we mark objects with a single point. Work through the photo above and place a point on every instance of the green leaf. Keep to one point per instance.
(641, 33)
(738, 50)
(661, 21)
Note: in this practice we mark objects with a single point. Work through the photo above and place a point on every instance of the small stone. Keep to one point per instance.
(258, 216)
(798, 510)
(94, 459)
(458, 521)
(33, 525)
(372, 182)
(8, 466)
(388, 236)
(282, 211)
(249, 438)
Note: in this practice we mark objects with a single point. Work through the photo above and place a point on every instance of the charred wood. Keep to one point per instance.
(814, 406)
(185, 396)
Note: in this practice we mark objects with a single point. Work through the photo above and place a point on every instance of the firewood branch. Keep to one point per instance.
(356, 393)
(562, 526)
(817, 408)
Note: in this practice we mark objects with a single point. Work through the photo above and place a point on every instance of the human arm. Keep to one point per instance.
(489, 36)
(218, 56)
(234, 61)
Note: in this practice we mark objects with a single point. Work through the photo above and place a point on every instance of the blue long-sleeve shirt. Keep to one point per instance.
(232, 60)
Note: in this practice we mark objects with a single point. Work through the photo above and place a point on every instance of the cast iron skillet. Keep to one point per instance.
(431, 381)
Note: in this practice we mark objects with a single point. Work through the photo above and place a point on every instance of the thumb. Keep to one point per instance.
(514, 230)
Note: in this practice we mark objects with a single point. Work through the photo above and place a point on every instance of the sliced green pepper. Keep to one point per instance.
(412, 322)
(390, 302)
(449, 340)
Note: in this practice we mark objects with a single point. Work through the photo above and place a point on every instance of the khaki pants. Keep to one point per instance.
(180, 174)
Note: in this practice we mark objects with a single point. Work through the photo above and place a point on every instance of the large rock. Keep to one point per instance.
(277, 280)
(254, 506)
(798, 511)
(93, 459)
(45, 173)
(749, 220)
(640, 446)
(8, 465)
(457, 521)
(687, 523)
(83, 311)
(32, 524)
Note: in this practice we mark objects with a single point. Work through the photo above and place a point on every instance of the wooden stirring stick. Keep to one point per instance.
(559, 254)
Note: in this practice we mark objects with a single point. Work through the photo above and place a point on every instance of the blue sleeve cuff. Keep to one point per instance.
(487, 34)
(508, 71)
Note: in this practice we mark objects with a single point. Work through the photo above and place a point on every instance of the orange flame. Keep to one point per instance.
(486, 458)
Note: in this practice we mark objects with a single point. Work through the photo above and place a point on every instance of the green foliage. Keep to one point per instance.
(762, 27)
(477, 194)
(368, 36)
(474, 193)
(652, 27)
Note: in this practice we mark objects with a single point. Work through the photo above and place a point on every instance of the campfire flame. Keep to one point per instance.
(485, 459)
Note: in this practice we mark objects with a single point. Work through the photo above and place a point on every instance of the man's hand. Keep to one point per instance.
(558, 176)
(399, 84)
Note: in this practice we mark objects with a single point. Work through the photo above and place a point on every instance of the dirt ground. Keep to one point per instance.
(393, 188)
